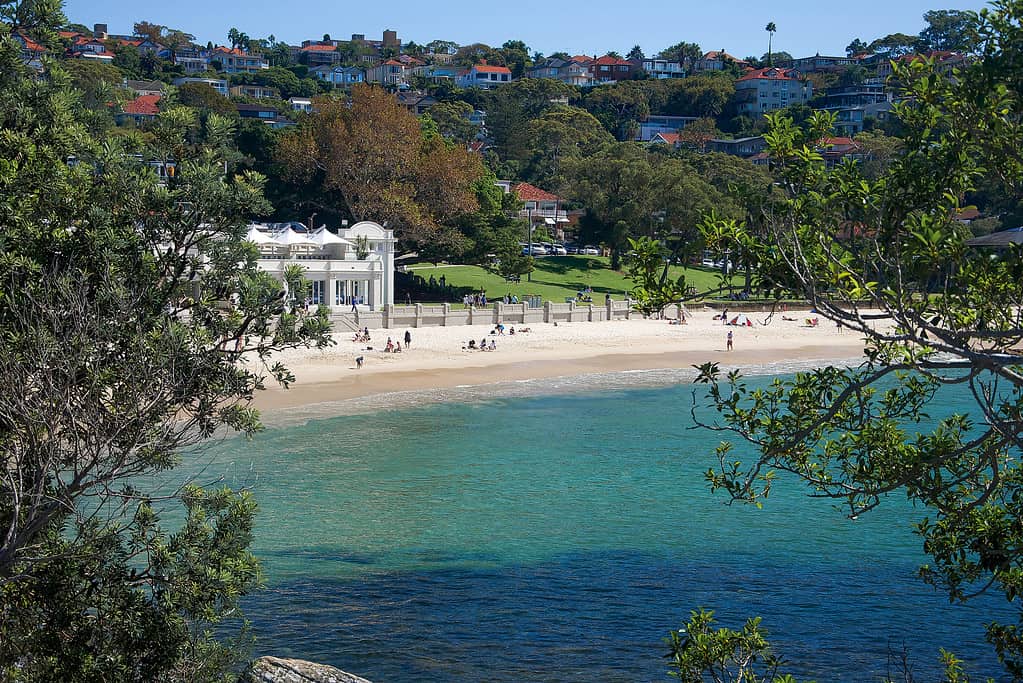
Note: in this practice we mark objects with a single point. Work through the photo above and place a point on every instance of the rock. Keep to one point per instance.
(277, 670)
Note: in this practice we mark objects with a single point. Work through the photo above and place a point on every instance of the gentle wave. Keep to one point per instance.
(522, 388)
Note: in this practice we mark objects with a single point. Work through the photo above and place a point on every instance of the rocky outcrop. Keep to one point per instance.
(277, 670)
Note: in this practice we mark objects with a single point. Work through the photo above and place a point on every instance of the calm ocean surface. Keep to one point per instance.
(559, 537)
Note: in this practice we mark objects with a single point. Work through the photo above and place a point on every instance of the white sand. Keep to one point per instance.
(436, 357)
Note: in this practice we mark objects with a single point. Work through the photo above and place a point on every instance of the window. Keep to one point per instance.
(504, 77)
(605, 68)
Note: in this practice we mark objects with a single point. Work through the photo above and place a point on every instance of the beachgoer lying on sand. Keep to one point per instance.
(525, 329)
(812, 322)
(785, 317)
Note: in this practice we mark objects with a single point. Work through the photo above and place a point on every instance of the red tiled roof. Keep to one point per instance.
(770, 74)
(30, 44)
(614, 61)
(319, 48)
(143, 104)
(839, 142)
(488, 69)
(670, 138)
(393, 62)
(230, 51)
(532, 193)
(68, 34)
(583, 59)
(721, 54)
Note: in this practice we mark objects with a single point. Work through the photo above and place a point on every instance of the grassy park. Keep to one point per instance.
(558, 277)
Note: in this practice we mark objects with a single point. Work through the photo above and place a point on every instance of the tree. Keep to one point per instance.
(895, 45)
(202, 96)
(515, 56)
(149, 30)
(452, 119)
(685, 53)
(126, 306)
(940, 317)
(856, 47)
(375, 160)
(619, 106)
(648, 269)
(635, 54)
(512, 107)
(770, 28)
(560, 132)
(775, 57)
(441, 47)
(952, 30)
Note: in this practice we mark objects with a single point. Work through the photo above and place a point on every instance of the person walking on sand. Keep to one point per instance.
(408, 339)
(729, 342)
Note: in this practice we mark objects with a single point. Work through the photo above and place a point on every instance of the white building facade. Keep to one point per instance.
(355, 266)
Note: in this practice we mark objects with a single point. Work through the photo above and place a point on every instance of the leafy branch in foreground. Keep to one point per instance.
(135, 325)
(883, 256)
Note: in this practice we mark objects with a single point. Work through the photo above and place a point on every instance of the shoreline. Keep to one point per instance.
(436, 359)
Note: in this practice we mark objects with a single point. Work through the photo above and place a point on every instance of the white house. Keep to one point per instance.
(485, 76)
(218, 84)
(332, 263)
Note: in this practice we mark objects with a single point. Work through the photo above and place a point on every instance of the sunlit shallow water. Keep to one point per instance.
(556, 531)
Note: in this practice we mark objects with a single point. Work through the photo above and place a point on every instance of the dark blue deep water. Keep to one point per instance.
(560, 538)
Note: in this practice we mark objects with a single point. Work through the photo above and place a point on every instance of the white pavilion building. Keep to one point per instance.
(331, 261)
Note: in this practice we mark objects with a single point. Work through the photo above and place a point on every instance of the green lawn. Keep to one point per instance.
(557, 277)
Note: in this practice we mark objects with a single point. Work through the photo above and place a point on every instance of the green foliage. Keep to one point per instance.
(202, 96)
(699, 653)
(648, 269)
(878, 250)
(126, 306)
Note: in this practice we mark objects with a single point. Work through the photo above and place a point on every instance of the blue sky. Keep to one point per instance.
(805, 27)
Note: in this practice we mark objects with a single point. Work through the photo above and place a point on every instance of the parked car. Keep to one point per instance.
(708, 263)
(590, 250)
(571, 249)
(559, 250)
(539, 250)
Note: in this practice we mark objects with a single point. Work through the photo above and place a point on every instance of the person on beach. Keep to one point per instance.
(408, 339)
(724, 317)
(729, 341)
(390, 346)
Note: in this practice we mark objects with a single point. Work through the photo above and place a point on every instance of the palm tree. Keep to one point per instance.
(770, 28)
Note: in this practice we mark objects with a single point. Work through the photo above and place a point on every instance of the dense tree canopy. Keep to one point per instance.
(883, 255)
(374, 158)
(126, 305)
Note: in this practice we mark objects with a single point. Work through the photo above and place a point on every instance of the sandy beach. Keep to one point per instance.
(437, 358)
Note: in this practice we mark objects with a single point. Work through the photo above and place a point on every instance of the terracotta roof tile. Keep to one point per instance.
(489, 69)
(319, 48)
(532, 193)
(770, 74)
(143, 104)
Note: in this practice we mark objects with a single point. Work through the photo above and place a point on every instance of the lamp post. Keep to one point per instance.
(529, 239)
(312, 224)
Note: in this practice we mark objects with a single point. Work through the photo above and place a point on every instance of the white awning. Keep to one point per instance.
(548, 221)
(257, 236)
(289, 238)
(563, 220)
(323, 237)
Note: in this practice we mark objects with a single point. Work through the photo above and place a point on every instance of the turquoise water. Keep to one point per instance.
(560, 537)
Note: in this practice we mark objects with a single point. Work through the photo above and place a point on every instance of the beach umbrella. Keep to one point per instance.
(742, 320)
